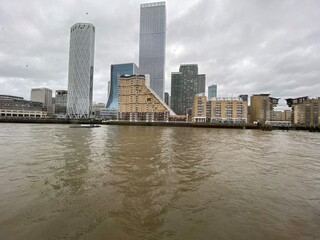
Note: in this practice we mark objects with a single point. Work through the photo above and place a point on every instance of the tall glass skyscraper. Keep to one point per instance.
(184, 86)
(116, 71)
(212, 91)
(81, 60)
(152, 45)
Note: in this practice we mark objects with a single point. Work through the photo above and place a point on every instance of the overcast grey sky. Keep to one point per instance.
(245, 47)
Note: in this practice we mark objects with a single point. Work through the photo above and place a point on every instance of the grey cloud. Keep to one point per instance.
(249, 46)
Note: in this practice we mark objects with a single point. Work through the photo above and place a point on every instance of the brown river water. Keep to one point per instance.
(134, 182)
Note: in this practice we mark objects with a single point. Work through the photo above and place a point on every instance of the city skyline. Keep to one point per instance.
(270, 49)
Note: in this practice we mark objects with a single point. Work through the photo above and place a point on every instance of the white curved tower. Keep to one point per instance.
(80, 79)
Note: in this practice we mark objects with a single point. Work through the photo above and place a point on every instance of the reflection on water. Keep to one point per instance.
(130, 182)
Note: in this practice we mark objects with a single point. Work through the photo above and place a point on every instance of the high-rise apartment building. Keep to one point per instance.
(43, 95)
(261, 108)
(152, 44)
(81, 66)
(212, 91)
(184, 86)
(201, 83)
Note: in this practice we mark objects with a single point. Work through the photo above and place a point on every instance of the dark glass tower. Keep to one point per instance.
(184, 86)
(152, 44)
(116, 71)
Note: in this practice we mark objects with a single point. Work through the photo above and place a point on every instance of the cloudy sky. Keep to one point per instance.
(245, 47)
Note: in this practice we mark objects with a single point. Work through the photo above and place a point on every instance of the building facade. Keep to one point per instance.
(111, 109)
(60, 106)
(305, 111)
(137, 101)
(199, 108)
(17, 107)
(261, 108)
(184, 86)
(43, 95)
(167, 98)
(212, 91)
(201, 83)
(219, 110)
(152, 44)
(81, 66)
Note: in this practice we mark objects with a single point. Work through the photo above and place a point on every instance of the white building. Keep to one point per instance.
(43, 95)
(81, 66)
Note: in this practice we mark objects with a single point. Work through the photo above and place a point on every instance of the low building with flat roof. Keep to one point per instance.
(17, 107)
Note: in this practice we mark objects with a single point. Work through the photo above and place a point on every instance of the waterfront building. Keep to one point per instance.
(111, 109)
(282, 115)
(229, 110)
(212, 91)
(167, 98)
(219, 110)
(152, 44)
(184, 86)
(81, 66)
(60, 106)
(137, 101)
(261, 108)
(43, 95)
(305, 110)
(201, 83)
(199, 111)
(17, 107)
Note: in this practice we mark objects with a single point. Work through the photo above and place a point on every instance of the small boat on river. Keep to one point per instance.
(85, 126)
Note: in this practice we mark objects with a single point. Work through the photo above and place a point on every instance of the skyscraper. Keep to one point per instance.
(201, 83)
(152, 44)
(81, 60)
(116, 71)
(184, 86)
(212, 91)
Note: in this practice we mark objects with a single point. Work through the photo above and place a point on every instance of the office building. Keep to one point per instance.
(184, 86)
(261, 108)
(167, 98)
(43, 95)
(137, 101)
(152, 44)
(60, 106)
(212, 91)
(17, 107)
(201, 83)
(111, 109)
(81, 66)
(305, 111)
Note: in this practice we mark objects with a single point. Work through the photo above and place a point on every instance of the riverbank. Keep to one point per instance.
(185, 124)
(163, 124)
(49, 121)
